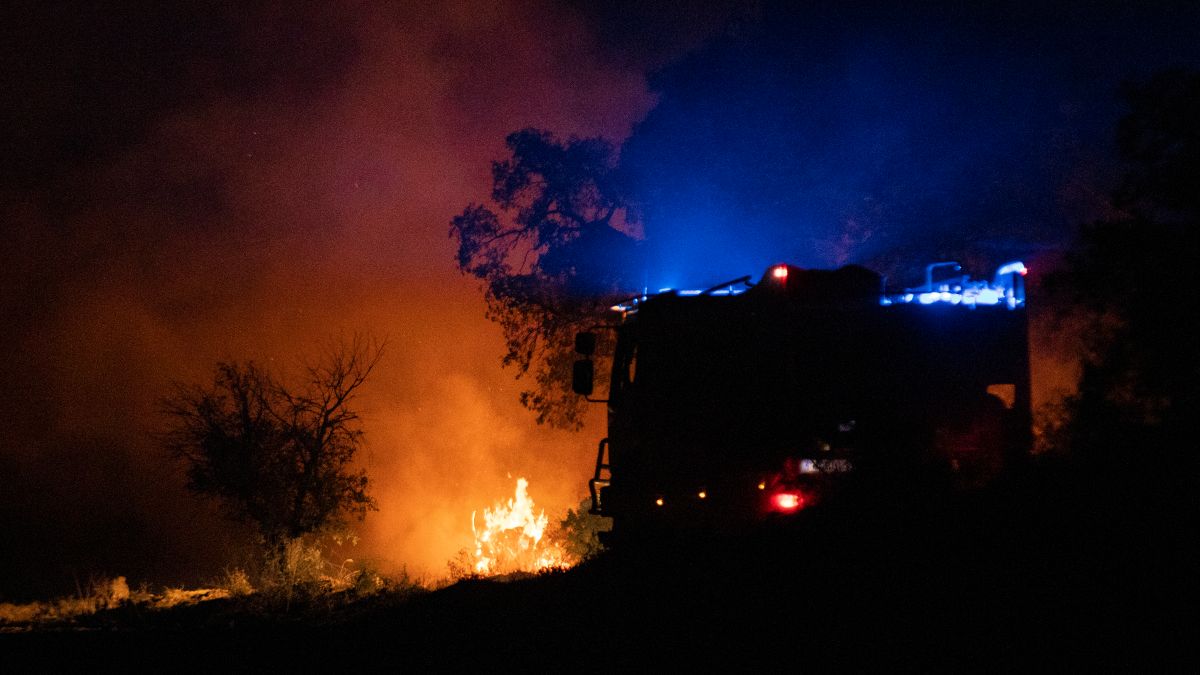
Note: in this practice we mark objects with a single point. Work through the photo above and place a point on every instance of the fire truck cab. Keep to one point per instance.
(753, 401)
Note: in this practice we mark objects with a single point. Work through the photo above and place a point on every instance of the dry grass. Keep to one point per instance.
(103, 594)
(304, 584)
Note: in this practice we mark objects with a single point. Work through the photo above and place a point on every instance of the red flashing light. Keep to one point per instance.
(780, 272)
(787, 502)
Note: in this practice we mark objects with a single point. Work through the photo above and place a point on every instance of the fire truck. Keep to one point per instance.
(750, 401)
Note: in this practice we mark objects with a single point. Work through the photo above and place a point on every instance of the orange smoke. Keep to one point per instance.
(253, 222)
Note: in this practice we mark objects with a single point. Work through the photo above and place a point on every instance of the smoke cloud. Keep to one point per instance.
(191, 182)
(289, 179)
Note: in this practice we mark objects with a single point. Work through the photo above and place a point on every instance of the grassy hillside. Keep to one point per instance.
(1045, 571)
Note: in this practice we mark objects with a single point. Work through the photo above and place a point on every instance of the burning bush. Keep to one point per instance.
(514, 538)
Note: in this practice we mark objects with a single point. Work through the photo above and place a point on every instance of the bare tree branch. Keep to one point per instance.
(279, 458)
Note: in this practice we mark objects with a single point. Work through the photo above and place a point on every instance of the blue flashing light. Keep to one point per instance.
(632, 304)
(1017, 267)
(1008, 287)
(987, 296)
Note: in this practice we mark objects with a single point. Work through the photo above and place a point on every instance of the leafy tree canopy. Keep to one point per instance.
(552, 252)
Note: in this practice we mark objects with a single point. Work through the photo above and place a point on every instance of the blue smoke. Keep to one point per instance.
(888, 139)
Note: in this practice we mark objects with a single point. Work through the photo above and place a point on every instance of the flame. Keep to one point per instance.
(513, 539)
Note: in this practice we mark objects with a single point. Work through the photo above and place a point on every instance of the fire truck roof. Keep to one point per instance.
(1005, 289)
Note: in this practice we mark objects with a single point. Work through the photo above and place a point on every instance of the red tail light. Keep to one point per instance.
(787, 502)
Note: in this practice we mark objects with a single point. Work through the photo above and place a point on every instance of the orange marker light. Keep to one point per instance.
(762, 486)
(658, 501)
(703, 494)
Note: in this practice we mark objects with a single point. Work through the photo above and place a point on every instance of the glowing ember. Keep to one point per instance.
(513, 538)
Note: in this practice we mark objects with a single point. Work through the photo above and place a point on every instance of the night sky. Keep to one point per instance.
(189, 182)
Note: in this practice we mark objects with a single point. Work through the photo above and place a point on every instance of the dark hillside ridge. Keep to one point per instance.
(1045, 570)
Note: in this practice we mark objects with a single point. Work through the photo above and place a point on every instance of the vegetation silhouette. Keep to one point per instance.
(277, 457)
(1133, 276)
(555, 252)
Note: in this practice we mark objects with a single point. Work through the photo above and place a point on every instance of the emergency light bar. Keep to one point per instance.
(1006, 288)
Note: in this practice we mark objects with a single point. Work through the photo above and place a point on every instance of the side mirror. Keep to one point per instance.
(582, 377)
(585, 343)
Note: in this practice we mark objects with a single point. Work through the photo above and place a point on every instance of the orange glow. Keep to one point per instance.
(703, 494)
(333, 216)
(659, 501)
(513, 538)
(762, 486)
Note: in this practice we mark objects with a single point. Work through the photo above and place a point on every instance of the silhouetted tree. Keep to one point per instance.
(551, 258)
(1135, 274)
(277, 457)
